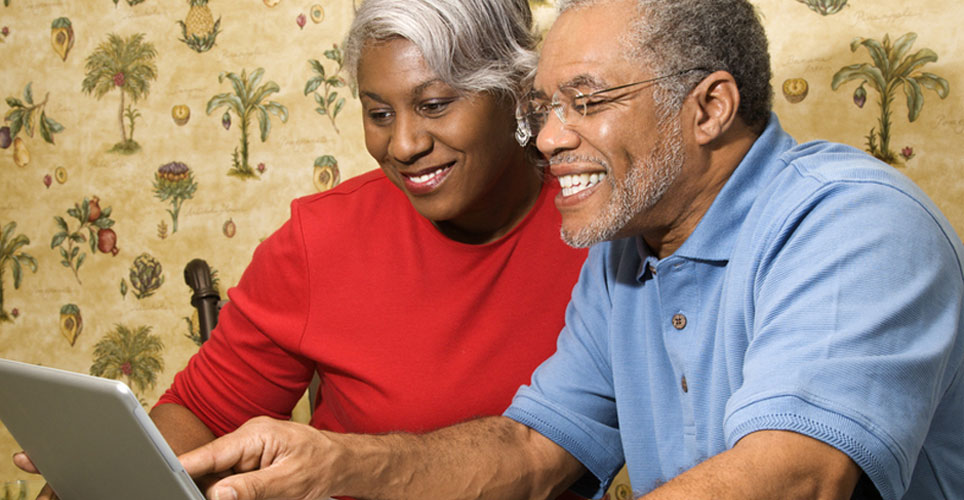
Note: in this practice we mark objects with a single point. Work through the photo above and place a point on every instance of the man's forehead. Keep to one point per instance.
(583, 46)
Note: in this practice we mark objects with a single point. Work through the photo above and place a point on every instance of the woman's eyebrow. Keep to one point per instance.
(420, 88)
(417, 91)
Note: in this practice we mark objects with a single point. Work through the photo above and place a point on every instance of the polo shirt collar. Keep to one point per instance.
(716, 233)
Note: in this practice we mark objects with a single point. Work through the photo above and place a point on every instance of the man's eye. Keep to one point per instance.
(587, 105)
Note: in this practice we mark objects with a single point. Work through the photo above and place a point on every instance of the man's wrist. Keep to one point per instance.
(370, 466)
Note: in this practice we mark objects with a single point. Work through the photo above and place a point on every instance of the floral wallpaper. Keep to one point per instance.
(140, 134)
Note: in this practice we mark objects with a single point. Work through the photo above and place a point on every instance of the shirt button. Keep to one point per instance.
(679, 321)
(683, 384)
(652, 270)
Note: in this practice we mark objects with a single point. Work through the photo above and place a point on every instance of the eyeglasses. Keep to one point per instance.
(570, 106)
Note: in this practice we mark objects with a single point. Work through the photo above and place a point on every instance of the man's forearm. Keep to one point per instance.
(492, 458)
(767, 465)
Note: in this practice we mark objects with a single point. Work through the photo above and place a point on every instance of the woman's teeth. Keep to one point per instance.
(422, 179)
(574, 183)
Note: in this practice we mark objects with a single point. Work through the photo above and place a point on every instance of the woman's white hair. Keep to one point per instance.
(472, 45)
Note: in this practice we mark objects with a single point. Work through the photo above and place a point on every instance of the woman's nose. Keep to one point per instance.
(410, 141)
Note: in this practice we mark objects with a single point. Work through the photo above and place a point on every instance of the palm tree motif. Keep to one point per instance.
(126, 64)
(132, 354)
(247, 101)
(892, 69)
(9, 245)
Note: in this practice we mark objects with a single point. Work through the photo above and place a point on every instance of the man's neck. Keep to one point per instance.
(683, 206)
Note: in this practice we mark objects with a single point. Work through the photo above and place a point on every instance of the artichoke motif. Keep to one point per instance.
(825, 7)
(174, 181)
(146, 275)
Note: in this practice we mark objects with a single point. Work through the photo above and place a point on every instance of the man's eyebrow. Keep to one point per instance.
(580, 80)
(583, 80)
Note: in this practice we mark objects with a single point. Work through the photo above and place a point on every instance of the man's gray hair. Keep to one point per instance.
(670, 36)
(472, 45)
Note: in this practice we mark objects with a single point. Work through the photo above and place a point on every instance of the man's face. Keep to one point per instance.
(616, 162)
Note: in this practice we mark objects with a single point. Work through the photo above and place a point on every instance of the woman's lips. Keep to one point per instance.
(426, 181)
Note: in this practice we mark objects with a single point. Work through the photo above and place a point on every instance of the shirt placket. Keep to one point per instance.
(679, 306)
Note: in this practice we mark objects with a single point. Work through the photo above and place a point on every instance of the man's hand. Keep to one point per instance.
(271, 459)
(492, 458)
(22, 461)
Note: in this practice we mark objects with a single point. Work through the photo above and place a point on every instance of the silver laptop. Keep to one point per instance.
(89, 436)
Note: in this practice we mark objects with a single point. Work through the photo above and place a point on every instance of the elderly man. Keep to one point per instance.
(756, 319)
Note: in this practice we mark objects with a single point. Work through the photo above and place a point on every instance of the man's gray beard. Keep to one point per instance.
(644, 185)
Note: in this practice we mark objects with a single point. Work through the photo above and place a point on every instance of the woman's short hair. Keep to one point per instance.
(472, 45)
(675, 35)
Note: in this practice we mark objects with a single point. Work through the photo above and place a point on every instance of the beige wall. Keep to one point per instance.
(805, 44)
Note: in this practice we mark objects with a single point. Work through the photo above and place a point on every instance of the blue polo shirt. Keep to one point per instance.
(821, 293)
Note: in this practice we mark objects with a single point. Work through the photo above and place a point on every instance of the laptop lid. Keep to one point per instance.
(89, 436)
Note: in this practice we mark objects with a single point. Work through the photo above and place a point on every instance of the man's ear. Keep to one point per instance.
(717, 100)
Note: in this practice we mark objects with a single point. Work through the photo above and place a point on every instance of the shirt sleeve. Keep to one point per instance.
(571, 398)
(250, 365)
(856, 309)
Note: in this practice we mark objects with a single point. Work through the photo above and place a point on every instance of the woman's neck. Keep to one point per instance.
(504, 207)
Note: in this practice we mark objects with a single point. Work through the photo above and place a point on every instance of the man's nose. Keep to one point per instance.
(555, 136)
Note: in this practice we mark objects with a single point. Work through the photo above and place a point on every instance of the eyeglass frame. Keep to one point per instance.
(524, 133)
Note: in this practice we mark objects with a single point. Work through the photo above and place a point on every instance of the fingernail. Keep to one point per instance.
(225, 493)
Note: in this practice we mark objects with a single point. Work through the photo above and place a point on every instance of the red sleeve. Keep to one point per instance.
(251, 366)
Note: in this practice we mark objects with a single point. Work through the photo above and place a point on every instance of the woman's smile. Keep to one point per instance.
(426, 181)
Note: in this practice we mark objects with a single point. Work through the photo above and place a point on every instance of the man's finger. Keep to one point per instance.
(246, 486)
(217, 456)
(262, 484)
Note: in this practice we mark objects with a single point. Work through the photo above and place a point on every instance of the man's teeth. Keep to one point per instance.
(421, 179)
(574, 183)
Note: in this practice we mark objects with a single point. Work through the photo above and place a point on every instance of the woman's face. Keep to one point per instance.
(452, 154)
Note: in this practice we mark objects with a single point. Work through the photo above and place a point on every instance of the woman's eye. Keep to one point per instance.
(434, 108)
(379, 116)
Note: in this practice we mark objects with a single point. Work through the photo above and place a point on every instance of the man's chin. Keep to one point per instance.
(584, 236)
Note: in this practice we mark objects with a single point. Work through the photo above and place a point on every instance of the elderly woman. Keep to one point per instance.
(422, 294)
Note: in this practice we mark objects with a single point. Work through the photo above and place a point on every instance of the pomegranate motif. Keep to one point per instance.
(107, 241)
(94, 209)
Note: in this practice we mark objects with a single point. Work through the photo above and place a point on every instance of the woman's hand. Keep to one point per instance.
(272, 459)
(22, 461)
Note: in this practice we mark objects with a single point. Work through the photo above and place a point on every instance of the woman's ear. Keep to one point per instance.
(717, 99)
